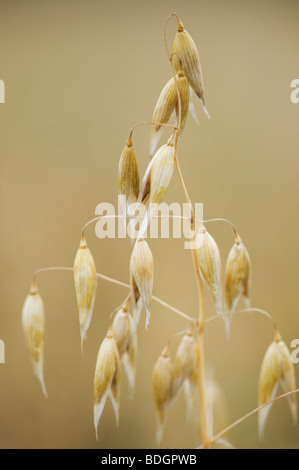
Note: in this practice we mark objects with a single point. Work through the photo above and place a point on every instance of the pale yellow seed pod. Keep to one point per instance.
(162, 379)
(185, 364)
(142, 274)
(161, 172)
(237, 275)
(121, 329)
(288, 378)
(129, 359)
(126, 341)
(164, 108)
(184, 89)
(270, 375)
(185, 53)
(85, 286)
(168, 103)
(209, 261)
(128, 174)
(106, 378)
(33, 319)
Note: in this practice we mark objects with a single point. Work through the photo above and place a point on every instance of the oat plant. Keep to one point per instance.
(117, 357)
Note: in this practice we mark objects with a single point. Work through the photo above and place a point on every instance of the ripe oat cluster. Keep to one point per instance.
(118, 351)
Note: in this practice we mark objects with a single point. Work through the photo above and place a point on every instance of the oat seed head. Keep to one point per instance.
(167, 104)
(237, 278)
(161, 172)
(142, 274)
(33, 319)
(288, 378)
(209, 261)
(162, 378)
(185, 53)
(85, 286)
(185, 363)
(128, 174)
(276, 368)
(106, 378)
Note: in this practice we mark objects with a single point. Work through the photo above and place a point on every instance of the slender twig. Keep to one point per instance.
(247, 415)
(119, 283)
(165, 32)
(149, 124)
(244, 310)
(52, 268)
(200, 329)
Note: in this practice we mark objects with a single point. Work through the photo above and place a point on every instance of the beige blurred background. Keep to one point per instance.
(78, 76)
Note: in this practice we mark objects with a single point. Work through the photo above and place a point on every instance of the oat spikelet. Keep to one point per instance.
(209, 262)
(237, 277)
(85, 286)
(158, 176)
(185, 373)
(128, 174)
(276, 368)
(185, 363)
(121, 329)
(161, 172)
(184, 89)
(142, 275)
(288, 379)
(126, 341)
(162, 378)
(33, 319)
(185, 53)
(106, 378)
(164, 108)
(168, 103)
(129, 360)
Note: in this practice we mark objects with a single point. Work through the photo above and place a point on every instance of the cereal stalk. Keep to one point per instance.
(247, 415)
(201, 316)
(121, 284)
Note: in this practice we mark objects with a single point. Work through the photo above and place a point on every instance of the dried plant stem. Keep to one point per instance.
(247, 415)
(165, 32)
(201, 317)
(220, 219)
(244, 310)
(119, 283)
(146, 123)
(51, 268)
(95, 219)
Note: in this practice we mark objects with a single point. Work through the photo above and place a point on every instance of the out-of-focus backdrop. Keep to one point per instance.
(78, 76)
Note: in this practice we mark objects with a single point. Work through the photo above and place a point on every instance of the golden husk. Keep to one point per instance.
(85, 286)
(33, 319)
